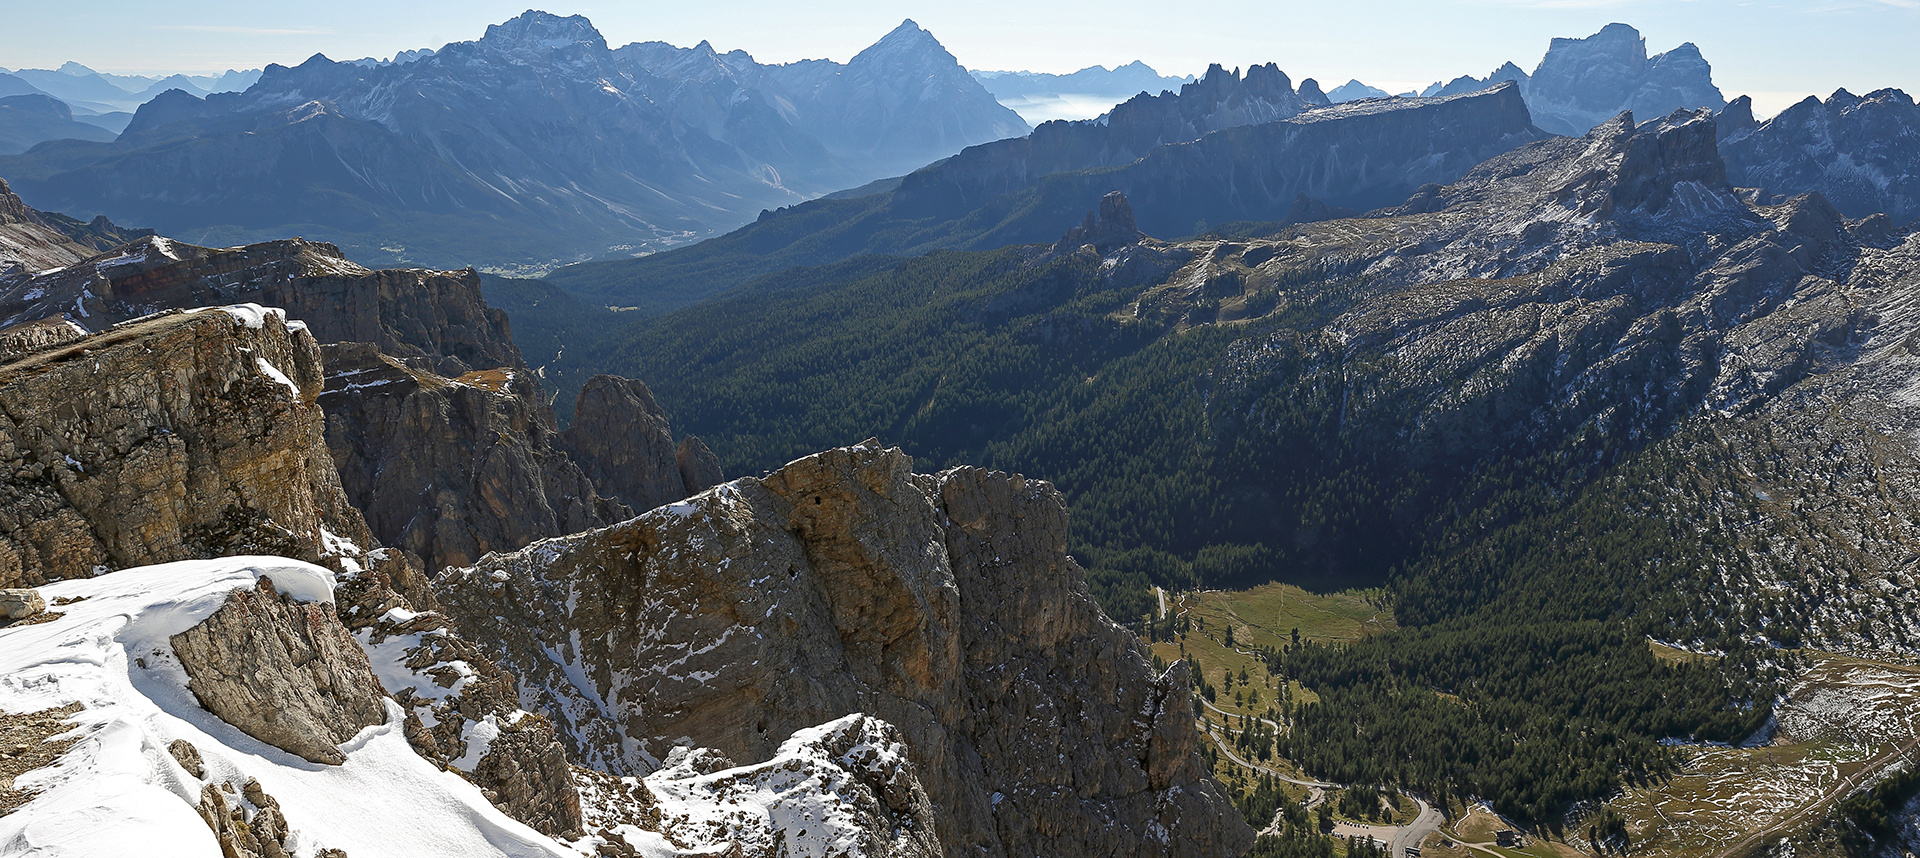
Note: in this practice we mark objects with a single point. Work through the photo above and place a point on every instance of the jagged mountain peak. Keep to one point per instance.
(537, 30)
(908, 40)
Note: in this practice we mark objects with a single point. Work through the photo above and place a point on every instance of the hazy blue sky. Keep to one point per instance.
(1775, 51)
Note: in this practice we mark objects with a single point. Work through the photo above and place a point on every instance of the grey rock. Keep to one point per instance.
(450, 469)
(945, 605)
(20, 604)
(621, 440)
(699, 467)
(1581, 83)
(1860, 152)
(282, 671)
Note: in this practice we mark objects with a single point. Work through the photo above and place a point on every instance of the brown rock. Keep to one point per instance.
(945, 605)
(283, 671)
(188, 756)
(24, 339)
(451, 468)
(620, 437)
(185, 436)
(699, 467)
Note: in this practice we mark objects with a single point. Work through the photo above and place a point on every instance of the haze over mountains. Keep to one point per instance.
(1250, 471)
(457, 158)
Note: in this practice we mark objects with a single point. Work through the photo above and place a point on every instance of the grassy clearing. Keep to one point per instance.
(1266, 617)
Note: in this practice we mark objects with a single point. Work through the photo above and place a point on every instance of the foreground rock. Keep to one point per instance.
(842, 583)
(102, 468)
(283, 671)
(843, 788)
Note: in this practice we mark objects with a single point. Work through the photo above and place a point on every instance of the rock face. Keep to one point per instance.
(451, 468)
(406, 313)
(621, 439)
(33, 241)
(945, 605)
(105, 469)
(1221, 99)
(533, 145)
(1860, 152)
(1581, 83)
(1111, 227)
(283, 671)
(1358, 155)
(843, 788)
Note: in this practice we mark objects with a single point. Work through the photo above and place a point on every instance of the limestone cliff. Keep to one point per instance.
(451, 468)
(945, 605)
(405, 312)
(184, 436)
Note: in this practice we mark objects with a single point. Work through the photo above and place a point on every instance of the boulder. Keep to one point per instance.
(283, 671)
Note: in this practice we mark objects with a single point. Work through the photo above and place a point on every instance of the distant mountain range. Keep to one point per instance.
(534, 144)
(1039, 97)
(1225, 148)
(1581, 83)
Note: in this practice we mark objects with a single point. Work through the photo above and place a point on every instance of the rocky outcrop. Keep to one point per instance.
(621, 439)
(103, 468)
(283, 671)
(28, 243)
(20, 604)
(945, 605)
(1860, 152)
(24, 339)
(451, 468)
(1581, 83)
(1218, 100)
(843, 788)
(1108, 229)
(699, 467)
(405, 312)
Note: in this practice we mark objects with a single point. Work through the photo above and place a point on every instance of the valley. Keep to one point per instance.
(538, 446)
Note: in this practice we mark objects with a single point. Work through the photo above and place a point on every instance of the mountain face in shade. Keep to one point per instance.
(1225, 149)
(1581, 83)
(1354, 90)
(1861, 152)
(536, 143)
(27, 120)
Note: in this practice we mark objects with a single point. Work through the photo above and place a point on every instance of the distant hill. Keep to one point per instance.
(26, 120)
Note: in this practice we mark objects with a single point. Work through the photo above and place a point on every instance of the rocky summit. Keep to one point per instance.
(844, 582)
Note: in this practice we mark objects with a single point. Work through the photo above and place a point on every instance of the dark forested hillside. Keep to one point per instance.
(1557, 408)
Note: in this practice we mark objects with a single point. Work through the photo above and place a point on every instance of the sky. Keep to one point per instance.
(1778, 52)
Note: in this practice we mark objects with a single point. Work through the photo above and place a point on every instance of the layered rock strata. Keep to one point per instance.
(945, 605)
(452, 468)
(103, 468)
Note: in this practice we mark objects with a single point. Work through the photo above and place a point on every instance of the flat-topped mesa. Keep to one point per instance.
(844, 582)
